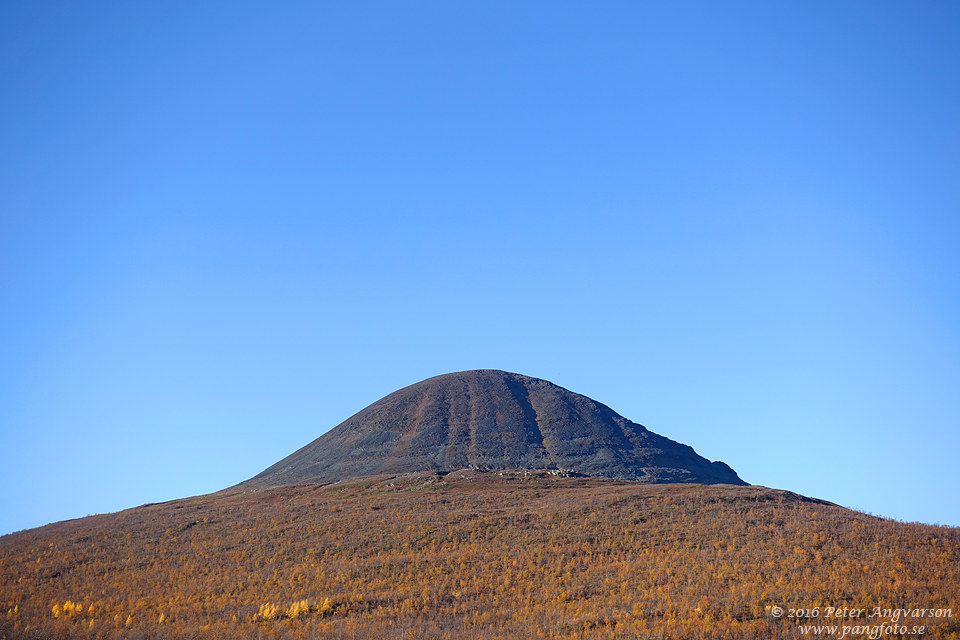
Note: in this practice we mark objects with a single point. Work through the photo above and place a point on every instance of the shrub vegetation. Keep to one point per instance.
(471, 555)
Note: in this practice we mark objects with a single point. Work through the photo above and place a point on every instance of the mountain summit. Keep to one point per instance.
(488, 419)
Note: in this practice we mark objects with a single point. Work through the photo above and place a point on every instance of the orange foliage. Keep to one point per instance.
(470, 555)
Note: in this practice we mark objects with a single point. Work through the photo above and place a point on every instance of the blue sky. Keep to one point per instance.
(225, 228)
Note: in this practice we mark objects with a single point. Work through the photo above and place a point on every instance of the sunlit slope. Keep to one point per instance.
(471, 555)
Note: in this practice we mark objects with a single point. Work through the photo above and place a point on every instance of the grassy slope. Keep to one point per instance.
(472, 555)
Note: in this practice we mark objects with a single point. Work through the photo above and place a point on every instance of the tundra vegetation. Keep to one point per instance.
(471, 555)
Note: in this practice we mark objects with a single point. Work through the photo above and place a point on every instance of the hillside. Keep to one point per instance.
(488, 419)
(474, 555)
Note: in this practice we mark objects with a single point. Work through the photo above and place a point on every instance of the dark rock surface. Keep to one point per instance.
(490, 419)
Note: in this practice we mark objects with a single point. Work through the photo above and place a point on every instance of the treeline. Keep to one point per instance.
(478, 555)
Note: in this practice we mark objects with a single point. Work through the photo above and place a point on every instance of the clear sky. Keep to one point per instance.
(225, 228)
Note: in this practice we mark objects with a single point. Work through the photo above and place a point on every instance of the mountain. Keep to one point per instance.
(457, 515)
(492, 420)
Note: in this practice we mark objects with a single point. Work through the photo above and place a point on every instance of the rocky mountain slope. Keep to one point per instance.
(489, 420)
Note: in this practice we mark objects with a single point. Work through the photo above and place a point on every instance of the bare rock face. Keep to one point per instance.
(490, 419)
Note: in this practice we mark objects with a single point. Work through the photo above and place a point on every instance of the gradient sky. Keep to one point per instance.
(225, 228)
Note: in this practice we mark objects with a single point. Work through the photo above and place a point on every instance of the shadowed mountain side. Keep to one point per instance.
(491, 419)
